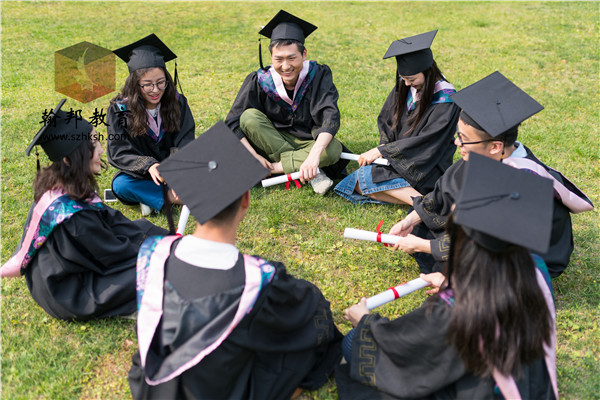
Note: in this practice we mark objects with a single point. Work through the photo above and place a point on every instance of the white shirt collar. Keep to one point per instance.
(206, 253)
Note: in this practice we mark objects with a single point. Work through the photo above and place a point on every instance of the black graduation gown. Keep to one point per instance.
(422, 156)
(134, 156)
(434, 209)
(317, 112)
(410, 358)
(287, 341)
(86, 268)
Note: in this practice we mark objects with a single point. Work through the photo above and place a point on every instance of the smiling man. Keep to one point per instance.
(286, 115)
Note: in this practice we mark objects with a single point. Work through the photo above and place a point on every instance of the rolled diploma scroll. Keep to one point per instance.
(351, 233)
(183, 219)
(354, 157)
(282, 179)
(397, 292)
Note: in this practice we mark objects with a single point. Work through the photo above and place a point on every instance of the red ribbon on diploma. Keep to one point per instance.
(379, 233)
(287, 184)
(396, 295)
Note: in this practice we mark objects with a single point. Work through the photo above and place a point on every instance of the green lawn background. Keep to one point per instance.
(550, 49)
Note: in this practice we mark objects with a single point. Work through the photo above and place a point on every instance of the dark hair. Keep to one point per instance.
(508, 138)
(226, 215)
(286, 42)
(432, 75)
(500, 318)
(137, 121)
(74, 176)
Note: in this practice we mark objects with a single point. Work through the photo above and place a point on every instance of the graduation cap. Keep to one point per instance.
(61, 134)
(211, 172)
(495, 105)
(287, 26)
(500, 205)
(145, 53)
(413, 54)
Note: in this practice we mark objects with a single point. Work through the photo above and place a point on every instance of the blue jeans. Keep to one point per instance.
(364, 178)
(135, 190)
(347, 345)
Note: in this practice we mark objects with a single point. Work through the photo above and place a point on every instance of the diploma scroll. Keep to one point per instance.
(396, 292)
(351, 233)
(282, 179)
(183, 219)
(354, 157)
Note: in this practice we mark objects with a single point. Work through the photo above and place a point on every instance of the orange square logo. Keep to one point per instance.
(84, 72)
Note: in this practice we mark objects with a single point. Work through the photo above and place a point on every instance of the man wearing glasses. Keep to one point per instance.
(492, 110)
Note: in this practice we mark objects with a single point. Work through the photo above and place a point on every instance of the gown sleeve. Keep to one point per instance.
(187, 126)
(440, 247)
(435, 206)
(385, 120)
(430, 146)
(291, 328)
(111, 239)
(121, 152)
(249, 96)
(323, 107)
(408, 357)
(295, 308)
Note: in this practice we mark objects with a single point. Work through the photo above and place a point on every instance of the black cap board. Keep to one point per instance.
(61, 134)
(287, 26)
(500, 205)
(413, 54)
(211, 172)
(495, 104)
(148, 52)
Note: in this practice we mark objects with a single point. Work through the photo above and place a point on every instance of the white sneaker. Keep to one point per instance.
(131, 317)
(146, 210)
(321, 183)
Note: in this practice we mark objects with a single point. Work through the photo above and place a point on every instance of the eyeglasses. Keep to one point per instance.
(149, 87)
(459, 137)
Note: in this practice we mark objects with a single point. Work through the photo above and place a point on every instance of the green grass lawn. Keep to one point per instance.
(549, 49)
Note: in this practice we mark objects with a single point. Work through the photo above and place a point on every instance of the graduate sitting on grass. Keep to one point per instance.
(416, 128)
(77, 254)
(148, 120)
(215, 323)
(489, 333)
(492, 110)
(286, 115)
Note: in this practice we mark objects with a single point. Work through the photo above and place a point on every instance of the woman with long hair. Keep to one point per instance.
(490, 328)
(416, 127)
(492, 111)
(148, 120)
(77, 254)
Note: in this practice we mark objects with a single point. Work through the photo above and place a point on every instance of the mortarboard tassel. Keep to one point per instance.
(260, 55)
(176, 79)
(37, 156)
(168, 207)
